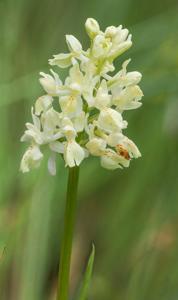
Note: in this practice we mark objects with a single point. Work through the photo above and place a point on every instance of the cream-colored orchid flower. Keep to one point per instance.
(111, 160)
(80, 121)
(73, 44)
(71, 105)
(42, 104)
(110, 120)
(124, 78)
(96, 146)
(73, 154)
(81, 84)
(51, 124)
(102, 99)
(101, 47)
(64, 60)
(68, 129)
(75, 80)
(31, 159)
(121, 40)
(127, 98)
(51, 84)
(130, 147)
(33, 132)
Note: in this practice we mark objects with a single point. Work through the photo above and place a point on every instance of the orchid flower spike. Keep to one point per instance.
(89, 104)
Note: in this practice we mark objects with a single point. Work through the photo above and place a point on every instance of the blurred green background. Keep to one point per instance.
(132, 214)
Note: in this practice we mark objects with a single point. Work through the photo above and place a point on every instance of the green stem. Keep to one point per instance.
(69, 220)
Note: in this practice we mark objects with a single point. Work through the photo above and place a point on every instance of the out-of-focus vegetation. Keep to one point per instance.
(131, 215)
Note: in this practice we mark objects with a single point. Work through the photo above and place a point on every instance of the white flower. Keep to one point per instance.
(31, 159)
(123, 144)
(127, 98)
(33, 132)
(124, 78)
(111, 43)
(96, 146)
(114, 138)
(68, 129)
(81, 84)
(88, 88)
(111, 160)
(75, 80)
(131, 147)
(62, 60)
(102, 99)
(121, 41)
(73, 44)
(71, 105)
(110, 120)
(89, 68)
(83, 115)
(101, 47)
(80, 121)
(51, 124)
(51, 84)
(42, 104)
(73, 154)
(43, 132)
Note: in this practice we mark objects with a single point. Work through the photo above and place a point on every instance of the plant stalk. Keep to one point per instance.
(69, 222)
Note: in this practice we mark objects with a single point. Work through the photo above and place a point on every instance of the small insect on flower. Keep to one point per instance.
(88, 118)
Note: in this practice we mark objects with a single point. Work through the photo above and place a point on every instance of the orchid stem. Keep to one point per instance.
(69, 222)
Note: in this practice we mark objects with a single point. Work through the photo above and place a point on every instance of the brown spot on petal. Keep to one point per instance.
(122, 151)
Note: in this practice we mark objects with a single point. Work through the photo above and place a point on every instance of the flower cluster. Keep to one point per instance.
(87, 118)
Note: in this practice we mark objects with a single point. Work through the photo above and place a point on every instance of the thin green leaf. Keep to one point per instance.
(83, 293)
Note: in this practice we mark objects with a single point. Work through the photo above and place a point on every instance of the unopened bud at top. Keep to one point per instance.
(92, 27)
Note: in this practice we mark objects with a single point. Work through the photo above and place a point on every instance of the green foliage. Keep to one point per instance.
(83, 294)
